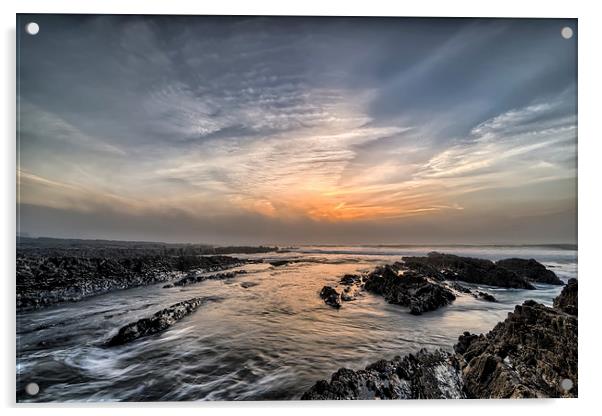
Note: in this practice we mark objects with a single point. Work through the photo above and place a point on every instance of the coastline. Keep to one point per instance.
(259, 285)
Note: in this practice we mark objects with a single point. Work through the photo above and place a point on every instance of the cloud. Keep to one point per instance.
(394, 124)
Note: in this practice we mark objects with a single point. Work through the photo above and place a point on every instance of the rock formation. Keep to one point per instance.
(567, 300)
(198, 277)
(533, 353)
(159, 322)
(531, 270)
(530, 354)
(43, 281)
(426, 375)
(450, 267)
(408, 288)
(331, 296)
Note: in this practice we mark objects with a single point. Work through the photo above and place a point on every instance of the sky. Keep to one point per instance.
(297, 130)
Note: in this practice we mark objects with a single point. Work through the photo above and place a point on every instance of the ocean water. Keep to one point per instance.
(271, 340)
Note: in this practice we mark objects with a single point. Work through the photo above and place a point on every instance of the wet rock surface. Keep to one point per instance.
(198, 277)
(527, 355)
(485, 296)
(532, 353)
(159, 322)
(408, 288)
(279, 263)
(567, 300)
(467, 269)
(425, 375)
(531, 270)
(46, 280)
(331, 296)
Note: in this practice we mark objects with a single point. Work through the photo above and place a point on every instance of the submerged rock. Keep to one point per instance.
(408, 288)
(485, 296)
(458, 287)
(567, 300)
(426, 375)
(331, 296)
(531, 270)
(530, 354)
(193, 278)
(351, 279)
(160, 321)
(278, 263)
(451, 267)
(350, 293)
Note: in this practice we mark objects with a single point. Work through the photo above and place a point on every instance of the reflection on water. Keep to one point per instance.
(270, 337)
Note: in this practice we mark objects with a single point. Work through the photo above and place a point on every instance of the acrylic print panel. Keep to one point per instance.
(237, 208)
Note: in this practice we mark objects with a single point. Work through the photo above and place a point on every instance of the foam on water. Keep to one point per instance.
(272, 340)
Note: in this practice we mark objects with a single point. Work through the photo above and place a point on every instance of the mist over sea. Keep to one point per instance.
(269, 337)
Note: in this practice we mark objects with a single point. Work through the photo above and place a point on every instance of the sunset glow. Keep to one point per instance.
(248, 129)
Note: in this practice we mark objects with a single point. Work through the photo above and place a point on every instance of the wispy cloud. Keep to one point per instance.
(396, 122)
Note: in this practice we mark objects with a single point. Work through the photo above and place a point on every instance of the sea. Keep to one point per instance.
(268, 337)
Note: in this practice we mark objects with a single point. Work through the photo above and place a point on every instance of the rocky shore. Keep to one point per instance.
(533, 353)
(425, 375)
(46, 280)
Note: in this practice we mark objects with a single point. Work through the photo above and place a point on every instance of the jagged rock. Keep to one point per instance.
(410, 289)
(485, 296)
(458, 287)
(531, 270)
(527, 355)
(533, 353)
(160, 321)
(567, 300)
(426, 375)
(351, 279)
(192, 278)
(450, 267)
(350, 293)
(43, 281)
(331, 296)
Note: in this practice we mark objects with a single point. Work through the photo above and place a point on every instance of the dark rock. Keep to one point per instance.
(351, 279)
(193, 278)
(247, 285)
(450, 267)
(408, 288)
(426, 375)
(531, 270)
(350, 293)
(527, 355)
(458, 287)
(278, 263)
(168, 286)
(331, 296)
(533, 353)
(160, 321)
(485, 296)
(567, 300)
(46, 280)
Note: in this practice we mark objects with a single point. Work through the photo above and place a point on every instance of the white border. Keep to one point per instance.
(590, 68)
